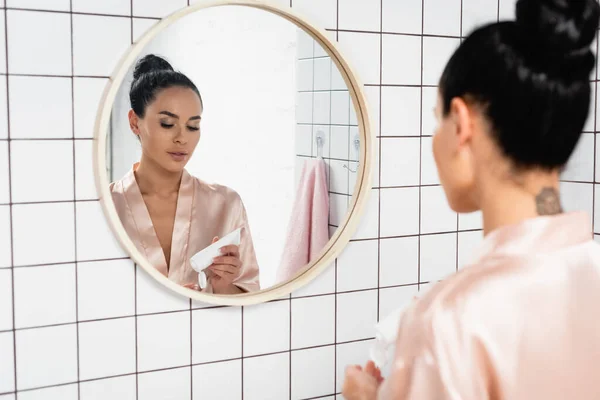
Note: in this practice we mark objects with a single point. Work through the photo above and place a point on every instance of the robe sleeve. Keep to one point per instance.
(437, 358)
(249, 277)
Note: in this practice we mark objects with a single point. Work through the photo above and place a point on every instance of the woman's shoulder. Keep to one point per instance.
(217, 190)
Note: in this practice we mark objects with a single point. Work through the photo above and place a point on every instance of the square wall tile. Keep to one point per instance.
(107, 348)
(340, 142)
(357, 266)
(45, 295)
(472, 220)
(507, 9)
(400, 161)
(356, 315)
(53, 239)
(368, 226)
(350, 354)
(3, 104)
(39, 364)
(307, 313)
(87, 94)
(53, 182)
(4, 173)
(399, 213)
(54, 5)
(312, 372)
(95, 240)
(304, 108)
(168, 384)
(391, 299)
(52, 100)
(156, 8)
(578, 197)
(359, 15)
(436, 214)
(154, 352)
(305, 45)
(116, 7)
(51, 43)
(438, 257)
(95, 278)
(362, 51)
(120, 388)
(153, 297)
(6, 302)
(324, 283)
(321, 108)
(400, 111)
(436, 53)
(476, 13)
(224, 378)
(581, 164)
(304, 140)
(442, 17)
(401, 60)
(430, 98)
(304, 75)
(85, 187)
(67, 392)
(141, 26)
(338, 207)
(98, 55)
(468, 244)
(322, 74)
(429, 173)
(7, 362)
(5, 237)
(222, 341)
(266, 328)
(340, 108)
(322, 12)
(404, 16)
(267, 378)
(399, 261)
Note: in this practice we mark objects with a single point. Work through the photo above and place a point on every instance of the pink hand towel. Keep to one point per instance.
(308, 230)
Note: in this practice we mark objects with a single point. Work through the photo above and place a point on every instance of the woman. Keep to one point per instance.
(523, 321)
(169, 214)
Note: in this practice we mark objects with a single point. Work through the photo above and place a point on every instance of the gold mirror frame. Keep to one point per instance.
(363, 180)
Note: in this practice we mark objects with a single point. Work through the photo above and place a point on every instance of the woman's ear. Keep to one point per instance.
(134, 121)
(462, 119)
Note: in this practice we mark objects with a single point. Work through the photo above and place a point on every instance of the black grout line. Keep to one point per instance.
(11, 74)
(75, 200)
(10, 218)
(33, 139)
(420, 146)
(93, 14)
(379, 159)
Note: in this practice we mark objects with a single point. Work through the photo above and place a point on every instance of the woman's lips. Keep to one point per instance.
(177, 155)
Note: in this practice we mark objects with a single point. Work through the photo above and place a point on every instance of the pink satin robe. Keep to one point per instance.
(203, 212)
(522, 323)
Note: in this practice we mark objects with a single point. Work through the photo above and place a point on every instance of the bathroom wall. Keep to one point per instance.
(85, 324)
(325, 111)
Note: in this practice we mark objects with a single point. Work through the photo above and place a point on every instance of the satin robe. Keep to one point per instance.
(203, 212)
(523, 322)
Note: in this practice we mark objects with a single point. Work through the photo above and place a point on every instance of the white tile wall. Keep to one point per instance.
(60, 264)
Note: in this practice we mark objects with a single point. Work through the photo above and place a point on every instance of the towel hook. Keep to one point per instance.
(320, 139)
(356, 142)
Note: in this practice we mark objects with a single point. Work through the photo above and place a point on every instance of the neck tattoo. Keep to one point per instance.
(548, 202)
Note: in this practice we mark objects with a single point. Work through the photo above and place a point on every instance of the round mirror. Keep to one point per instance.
(232, 152)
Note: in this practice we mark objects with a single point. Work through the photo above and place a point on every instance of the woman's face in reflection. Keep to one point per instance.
(170, 129)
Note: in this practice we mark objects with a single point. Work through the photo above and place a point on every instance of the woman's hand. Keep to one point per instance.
(225, 269)
(362, 384)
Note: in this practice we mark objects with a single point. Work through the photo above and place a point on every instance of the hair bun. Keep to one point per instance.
(563, 26)
(151, 63)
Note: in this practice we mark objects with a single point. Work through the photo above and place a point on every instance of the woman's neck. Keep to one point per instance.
(508, 202)
(153, 179)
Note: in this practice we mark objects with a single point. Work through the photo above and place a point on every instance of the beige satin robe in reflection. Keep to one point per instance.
(522, 323)
(203, 212)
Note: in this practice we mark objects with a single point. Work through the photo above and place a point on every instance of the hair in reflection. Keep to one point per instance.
(530, 77)
(151, 75)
